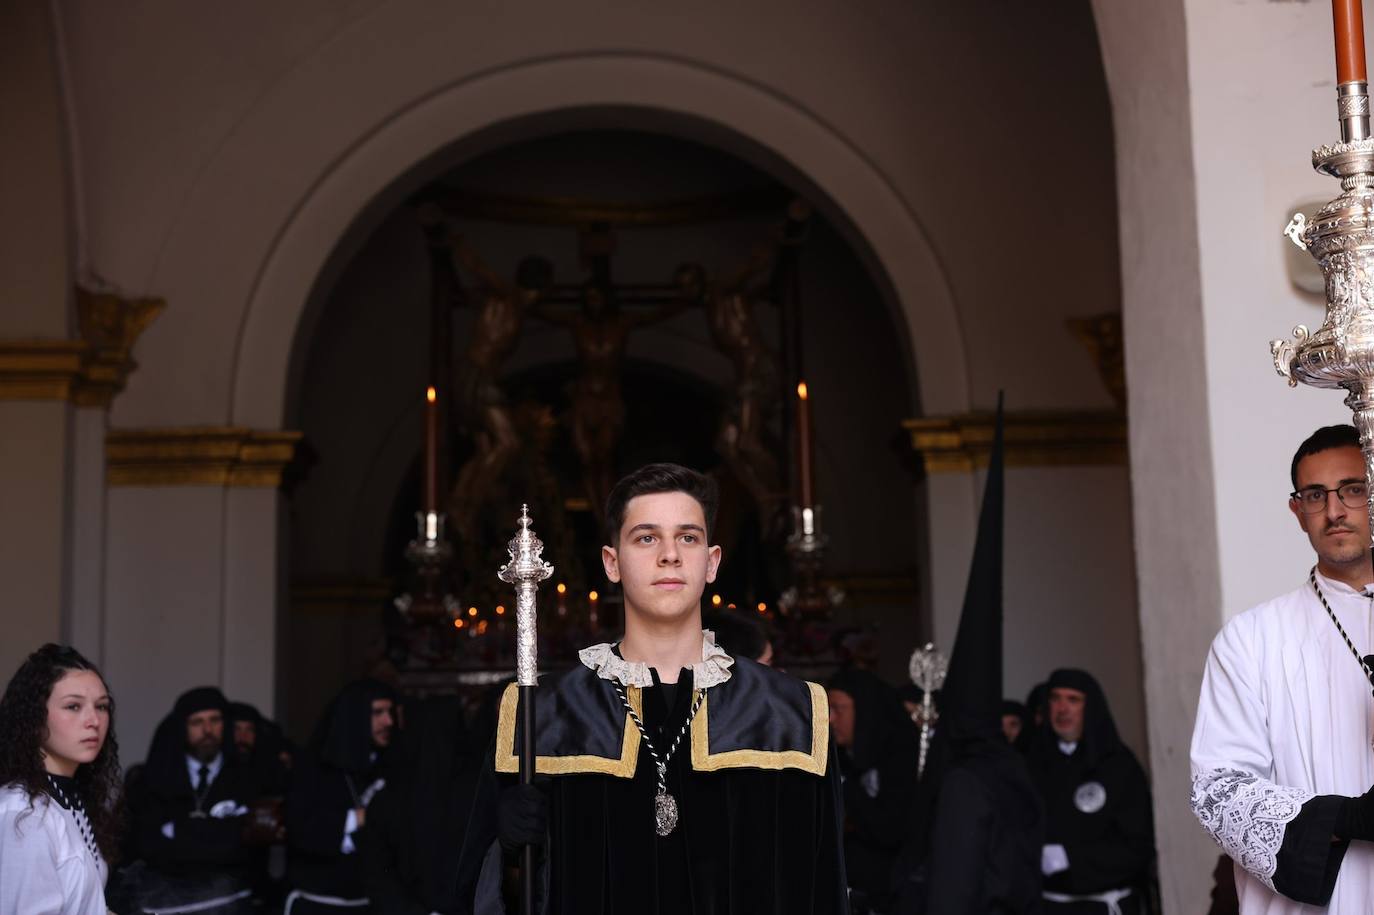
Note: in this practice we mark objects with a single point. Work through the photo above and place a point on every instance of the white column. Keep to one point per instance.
(253, 590)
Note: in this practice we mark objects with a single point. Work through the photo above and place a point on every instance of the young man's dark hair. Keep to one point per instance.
(1325, 438)
(656, 478)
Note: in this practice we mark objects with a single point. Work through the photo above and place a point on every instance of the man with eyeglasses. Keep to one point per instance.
(1283, 748)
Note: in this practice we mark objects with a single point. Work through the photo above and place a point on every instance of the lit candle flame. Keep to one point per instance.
(472, 611)
(429, 394)
(500, 610)
(801, 390)
(715, 600)
(562, 588)
(593, 597)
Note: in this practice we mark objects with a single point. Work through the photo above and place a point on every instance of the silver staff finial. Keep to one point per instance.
(526, 569)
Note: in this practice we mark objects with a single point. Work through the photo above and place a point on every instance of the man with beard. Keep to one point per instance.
(1100, 831)
(188, 811)
(682, 781)
(259, 745)
(331, 787)
(1280, 755)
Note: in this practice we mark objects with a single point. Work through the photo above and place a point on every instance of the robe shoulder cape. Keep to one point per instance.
(1284, 729)
(757, 791)
(759, 719)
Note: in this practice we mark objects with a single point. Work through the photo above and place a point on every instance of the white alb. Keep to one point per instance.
(1285, 714)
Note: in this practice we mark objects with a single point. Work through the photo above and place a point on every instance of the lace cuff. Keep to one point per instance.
(1247, 816)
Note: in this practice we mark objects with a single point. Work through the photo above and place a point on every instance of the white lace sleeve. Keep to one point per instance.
(1247, 816)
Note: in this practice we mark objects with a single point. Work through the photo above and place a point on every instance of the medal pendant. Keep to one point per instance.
(665, 813)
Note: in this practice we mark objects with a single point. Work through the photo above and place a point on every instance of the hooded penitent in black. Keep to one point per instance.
(190, 835)
(879, 781)
(415, 825)
(264, 760)
(1098, 804)
(984, 827)
(340, 772)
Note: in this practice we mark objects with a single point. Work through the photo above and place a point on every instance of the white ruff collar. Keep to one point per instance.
(712, 670)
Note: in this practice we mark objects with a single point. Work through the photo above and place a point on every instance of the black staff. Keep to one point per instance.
(526, 570)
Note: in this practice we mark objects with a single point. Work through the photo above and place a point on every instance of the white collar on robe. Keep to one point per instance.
(711, 670)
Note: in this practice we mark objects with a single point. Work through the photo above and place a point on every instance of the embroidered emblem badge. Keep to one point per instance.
(1090, 797)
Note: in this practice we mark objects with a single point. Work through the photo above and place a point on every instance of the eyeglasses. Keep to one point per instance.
(1313, 499)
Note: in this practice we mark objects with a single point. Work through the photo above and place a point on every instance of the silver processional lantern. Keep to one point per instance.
(1340, 236)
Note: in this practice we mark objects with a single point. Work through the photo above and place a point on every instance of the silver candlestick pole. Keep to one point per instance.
(526, 570)
(1340, 354)
(927, 668)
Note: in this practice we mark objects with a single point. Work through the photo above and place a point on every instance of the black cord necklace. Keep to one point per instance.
(1359, 658)
(665, 807)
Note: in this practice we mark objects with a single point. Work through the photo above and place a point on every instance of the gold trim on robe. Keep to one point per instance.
(508, 759)
(703, 760)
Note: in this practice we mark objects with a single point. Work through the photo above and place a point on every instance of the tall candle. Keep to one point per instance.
(1349, 21)
(804, 443)
(431, 468)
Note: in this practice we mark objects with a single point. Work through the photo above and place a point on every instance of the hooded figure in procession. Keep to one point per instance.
(415, 825)
(1100, 836)
(979, 823)
(189, 807)
(878, 751)
(331, 788)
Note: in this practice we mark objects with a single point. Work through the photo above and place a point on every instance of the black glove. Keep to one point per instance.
(1355, 820)
(522, 816)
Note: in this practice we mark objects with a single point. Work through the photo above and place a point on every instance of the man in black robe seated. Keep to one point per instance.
(879, 749)
(332, 785)
(1100, 835)
(188, 812)
(678, 779)
(258, 744)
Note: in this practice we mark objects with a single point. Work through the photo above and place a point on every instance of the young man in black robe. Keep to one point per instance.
(1100, 835)
(188, 808)
(679, 779)
(332, 785)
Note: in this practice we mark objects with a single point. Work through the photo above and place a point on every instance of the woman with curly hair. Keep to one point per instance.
(59, 772)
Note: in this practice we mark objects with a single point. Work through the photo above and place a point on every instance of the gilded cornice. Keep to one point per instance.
(199, 456)
(1101, 334)
(88, 372)
(959, 444)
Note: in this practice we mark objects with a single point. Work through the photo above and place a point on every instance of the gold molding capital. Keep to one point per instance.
(1069, 438)
(110, 324)
(199, 456)
(88, 372)
(1102, 336)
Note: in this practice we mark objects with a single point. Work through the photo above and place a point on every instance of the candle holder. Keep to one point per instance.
(806, 549)
(430, 553)
(1340, 236)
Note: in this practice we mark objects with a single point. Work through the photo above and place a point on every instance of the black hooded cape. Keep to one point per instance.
(415, 825)
(1098, 801)
(754, 781)
(264, 761)
(206, 848)
(331, 778)
(879, 783)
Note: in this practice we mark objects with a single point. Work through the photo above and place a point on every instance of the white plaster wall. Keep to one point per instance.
(33, 526)
(165, 602)
(85, 625)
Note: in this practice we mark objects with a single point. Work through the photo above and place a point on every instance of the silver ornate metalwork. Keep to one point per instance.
(1340, 236)
(927, 668)
(526, 569)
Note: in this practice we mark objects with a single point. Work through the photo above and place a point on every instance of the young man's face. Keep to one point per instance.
(1339, 533)
(662, 559)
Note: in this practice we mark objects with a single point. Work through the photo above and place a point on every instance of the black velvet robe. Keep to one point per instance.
(755, 783)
